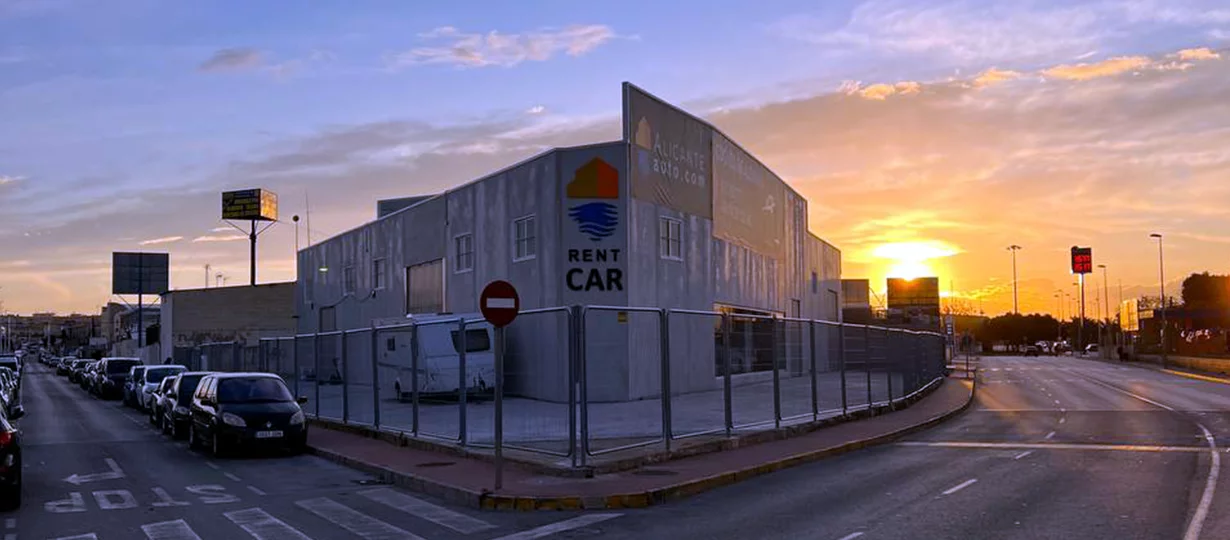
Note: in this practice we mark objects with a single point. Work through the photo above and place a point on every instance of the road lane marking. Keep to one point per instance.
(169, 530)
(1053, 446)
(10, 536)
(256, 490)
(1210, 486)
(1050, 435)
(263, 526)
(1063, 420)
(1197, 376)
(422, 509)
(87, 536)
(165, 499)
(359, 524)
(1023, 454)
(114, 474)
(232, 477)
(74, 503)
(960, 486)
(10, 523)
(213, 465)
(851, 536)
(559, 526)
(115, 499)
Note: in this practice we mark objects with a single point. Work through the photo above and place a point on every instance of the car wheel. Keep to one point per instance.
(10, 497)
(176, 432)
(216, 447)
(192, 442)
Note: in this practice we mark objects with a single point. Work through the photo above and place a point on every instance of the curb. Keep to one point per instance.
(489, 501)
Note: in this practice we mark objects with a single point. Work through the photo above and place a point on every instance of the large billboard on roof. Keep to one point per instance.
(917, 294)
(250, 204)
(139, 273)
(749, 206)
(671, 154)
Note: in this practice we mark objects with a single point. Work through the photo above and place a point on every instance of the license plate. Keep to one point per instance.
(268, 434)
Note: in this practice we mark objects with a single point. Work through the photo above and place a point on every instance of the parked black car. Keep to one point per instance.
(176, 403)
(132, 385)
(234, 410)
(112, 374)
(10, 459)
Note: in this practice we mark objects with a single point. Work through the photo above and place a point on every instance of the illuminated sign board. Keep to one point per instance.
(250, 204)
(1082, 260)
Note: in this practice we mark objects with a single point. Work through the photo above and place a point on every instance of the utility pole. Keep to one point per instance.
(1106, 303)
(1015, 305)
(206, 275)
(1161, 272)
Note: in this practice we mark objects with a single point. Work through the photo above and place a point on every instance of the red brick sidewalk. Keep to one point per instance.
(470, 481)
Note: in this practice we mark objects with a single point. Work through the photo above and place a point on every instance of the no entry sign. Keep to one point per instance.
(499, 303)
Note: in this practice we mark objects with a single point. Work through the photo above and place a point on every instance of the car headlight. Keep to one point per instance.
(233, 420)
(297, 418)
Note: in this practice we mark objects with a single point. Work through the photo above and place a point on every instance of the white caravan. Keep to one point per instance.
(437, 342)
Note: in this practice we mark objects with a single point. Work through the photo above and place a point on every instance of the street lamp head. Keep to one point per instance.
(295, 218)
(1155, 235)
(1102, 266)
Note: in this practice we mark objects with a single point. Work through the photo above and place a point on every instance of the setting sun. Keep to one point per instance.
(910, 257)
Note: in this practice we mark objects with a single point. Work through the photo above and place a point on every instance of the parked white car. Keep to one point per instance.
(153, 377)
(438, 344)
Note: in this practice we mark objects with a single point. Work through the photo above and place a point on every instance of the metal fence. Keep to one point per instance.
(685, 373)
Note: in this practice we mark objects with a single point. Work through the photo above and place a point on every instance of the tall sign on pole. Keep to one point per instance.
(500, 304)
(1082, 263)
(140, 274)
(251, 205)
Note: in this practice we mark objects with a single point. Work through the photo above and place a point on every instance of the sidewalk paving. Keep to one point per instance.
(470, 481)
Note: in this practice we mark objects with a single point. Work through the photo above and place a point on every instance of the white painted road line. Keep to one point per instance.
(559, 526)
(169, 530)
(852, 536)
(422, 509)
(256, 490)
(263, 526)
(1051, 435)
(88, 536)
(215, 466)
(10, 523)
(10, 536)
(960, 486)
(1023, 454)
(359, 524)
(237, 479)
(1064, 420)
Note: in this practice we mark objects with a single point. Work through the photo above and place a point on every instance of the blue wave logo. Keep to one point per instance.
(596, 219)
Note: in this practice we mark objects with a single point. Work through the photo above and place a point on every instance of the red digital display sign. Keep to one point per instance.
(1082, 260)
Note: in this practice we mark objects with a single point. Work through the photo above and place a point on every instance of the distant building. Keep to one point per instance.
(856, 301)
(243, 314)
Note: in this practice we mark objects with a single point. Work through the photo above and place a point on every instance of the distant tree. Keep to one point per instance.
(1204, 291)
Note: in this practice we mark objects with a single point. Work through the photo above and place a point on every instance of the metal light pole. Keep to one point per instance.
(1105, 302)
(1161, 272)
(1015, 306)
(295, 218)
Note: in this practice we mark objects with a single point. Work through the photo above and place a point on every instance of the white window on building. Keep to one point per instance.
(670, 238)
(525, 238)
(463, 253)
(379, 274)
(425, 287)
(349, 280)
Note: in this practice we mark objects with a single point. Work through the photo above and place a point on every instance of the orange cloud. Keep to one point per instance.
(994, 76)
(1105, 68)
(1200, 53)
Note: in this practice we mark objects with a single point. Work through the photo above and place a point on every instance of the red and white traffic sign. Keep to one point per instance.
(499, 303)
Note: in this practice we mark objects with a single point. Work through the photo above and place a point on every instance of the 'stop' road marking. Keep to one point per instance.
(559, 526)
(169, 530)
(417, 507)
(359, 524)
(263, 526)
(87, 536)
(851, 536)
(960, 486)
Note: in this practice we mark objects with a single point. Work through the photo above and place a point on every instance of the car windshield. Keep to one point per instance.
(156, 375)
(118, 367)
(253, 390)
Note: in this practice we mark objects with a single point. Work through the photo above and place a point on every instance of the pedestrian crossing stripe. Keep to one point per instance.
(359, 524)
(169, 530)
(263, 526)
(419, 508)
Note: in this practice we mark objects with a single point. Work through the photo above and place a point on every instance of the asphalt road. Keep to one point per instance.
(1052, 448)
(95, 469)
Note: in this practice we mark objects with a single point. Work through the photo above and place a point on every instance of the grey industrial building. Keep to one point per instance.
(674, 215)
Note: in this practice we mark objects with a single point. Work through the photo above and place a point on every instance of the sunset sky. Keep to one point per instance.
(928, 136)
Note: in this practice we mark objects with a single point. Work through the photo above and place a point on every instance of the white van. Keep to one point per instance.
(439, 346)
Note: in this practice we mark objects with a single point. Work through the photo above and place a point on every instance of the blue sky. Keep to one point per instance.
(122, 119)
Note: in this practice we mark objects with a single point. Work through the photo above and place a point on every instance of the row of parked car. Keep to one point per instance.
(10, 436)
(224, 412)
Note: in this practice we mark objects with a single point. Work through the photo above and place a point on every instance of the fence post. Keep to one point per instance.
(316, 368)
(841, 355)
(375, 378)
(811, 346)
(261, 358)
(345, 380)
(726, 380)
(664, 340)
(236, 356)
(573, 342)
(461, 389)
(867, 362)
(582, 377)
(775, 343)
(414, 378)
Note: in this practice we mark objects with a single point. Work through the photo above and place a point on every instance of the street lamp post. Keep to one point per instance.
(1015, 306)
(1105, 303)
(1161, 273)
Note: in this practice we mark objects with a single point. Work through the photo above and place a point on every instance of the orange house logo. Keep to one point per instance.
(596, 179)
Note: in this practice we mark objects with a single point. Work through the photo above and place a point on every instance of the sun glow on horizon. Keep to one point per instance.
(910, 258)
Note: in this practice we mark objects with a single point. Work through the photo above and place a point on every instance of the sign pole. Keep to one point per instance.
(499, 408)
(252, 268)
(1080, 328)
